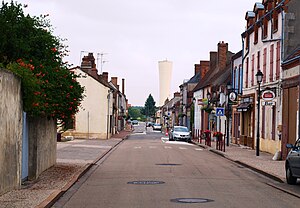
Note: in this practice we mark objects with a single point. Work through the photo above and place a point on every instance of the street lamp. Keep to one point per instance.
(259, 76)
(229, 88)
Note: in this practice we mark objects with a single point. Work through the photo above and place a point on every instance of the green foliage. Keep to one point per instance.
(135, 112)
(149, 108)
(29, 49)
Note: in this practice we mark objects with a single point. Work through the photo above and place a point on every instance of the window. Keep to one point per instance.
(240, 86)
(255, 34)
(252, 70)
(247, 72)
(247, 41)
(258, 60)
(275, 21)
(271, 62)
(278, 60)
(265, 65)
(265, 28)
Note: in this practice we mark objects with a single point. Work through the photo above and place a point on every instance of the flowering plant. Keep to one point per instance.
(218, 134)
(206, 131)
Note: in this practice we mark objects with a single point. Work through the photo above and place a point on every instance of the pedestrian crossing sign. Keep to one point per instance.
(220, 111)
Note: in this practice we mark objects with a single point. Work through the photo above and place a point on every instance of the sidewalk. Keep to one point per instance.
(74, 158)
(246, 156)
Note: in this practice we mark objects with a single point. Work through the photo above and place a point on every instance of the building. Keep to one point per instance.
(290, 76)
(263, 44)
(104, 107)
(210, 92)
(165, 76)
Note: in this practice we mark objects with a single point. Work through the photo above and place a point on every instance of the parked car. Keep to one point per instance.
(180, 133)
(150, 124)
(156, 126)
(292, 163)
(135, 122)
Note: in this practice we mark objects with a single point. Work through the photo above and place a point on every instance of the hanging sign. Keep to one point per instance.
(268, 95)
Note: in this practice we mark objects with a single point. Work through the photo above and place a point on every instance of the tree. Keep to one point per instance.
(29, 49)
(149, 108)
(135, 112)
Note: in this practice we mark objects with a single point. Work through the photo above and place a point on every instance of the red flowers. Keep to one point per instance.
(218, 134)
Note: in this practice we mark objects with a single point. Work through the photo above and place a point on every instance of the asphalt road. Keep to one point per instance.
(148, 171)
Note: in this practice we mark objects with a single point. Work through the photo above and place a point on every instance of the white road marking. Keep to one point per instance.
(152, 147)
(139, 133)
(167, 147)
(92, 146)
(199, 149)
(137, 147)
(182, 148)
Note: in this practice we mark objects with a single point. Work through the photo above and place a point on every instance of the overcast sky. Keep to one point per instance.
(135, 34)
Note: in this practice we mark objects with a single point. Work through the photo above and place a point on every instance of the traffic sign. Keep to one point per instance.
(220, 111)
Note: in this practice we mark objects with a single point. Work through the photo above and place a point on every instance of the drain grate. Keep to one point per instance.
(145, 182)
(191, 200)
(168, 164)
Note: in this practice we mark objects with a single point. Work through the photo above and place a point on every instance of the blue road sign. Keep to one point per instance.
(220, 111)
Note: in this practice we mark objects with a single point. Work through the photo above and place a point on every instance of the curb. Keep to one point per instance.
(56, 194)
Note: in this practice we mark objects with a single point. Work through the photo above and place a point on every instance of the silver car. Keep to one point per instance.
(180, 133)
(292, 163)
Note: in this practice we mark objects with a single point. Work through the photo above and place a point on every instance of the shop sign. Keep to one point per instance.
(268, 95)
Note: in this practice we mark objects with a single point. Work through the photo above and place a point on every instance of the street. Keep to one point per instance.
(147, 170)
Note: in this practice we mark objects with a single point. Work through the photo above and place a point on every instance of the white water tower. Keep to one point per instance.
(165, 75)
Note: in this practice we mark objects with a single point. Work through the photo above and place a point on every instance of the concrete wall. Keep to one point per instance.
(42, 145)
(10, 131)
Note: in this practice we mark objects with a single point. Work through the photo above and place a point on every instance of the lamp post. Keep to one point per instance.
(229, 88)
(259, 76)
(208, 95)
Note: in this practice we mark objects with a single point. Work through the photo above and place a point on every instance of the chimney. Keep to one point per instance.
(213, 60)
(204, 67)
(222, 55)
(123, 86)
(114, 80)
(105, 76)
(197, 68)
(177, 94)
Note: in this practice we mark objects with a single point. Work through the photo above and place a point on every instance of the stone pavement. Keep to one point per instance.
(74, 158)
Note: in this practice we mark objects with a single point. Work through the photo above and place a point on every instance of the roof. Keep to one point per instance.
(98, 79)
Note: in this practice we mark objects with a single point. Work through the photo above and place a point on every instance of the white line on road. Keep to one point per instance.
(92, 146)
(152, 147)
(137, 147)
(199, 149)
(182, 148)
(167, 147)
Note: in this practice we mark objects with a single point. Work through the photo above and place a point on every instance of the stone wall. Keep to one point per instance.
(42, 145)
(10, 131)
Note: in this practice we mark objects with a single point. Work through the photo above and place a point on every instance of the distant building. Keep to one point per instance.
(165, 75)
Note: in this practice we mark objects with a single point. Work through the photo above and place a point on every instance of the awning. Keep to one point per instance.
(243, 107)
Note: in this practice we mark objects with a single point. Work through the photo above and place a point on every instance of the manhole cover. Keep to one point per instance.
(191, 200)
(145, 182)
(169, 164)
